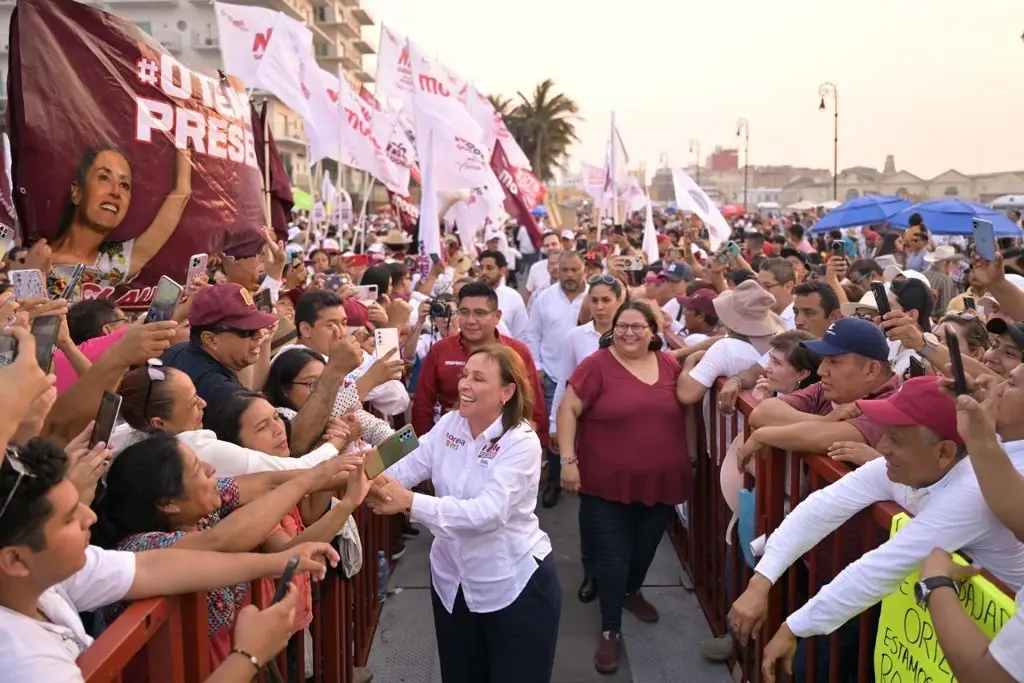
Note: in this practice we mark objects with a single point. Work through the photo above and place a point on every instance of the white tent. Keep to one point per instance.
(801, 206)
(1009, 201)
(830, 204)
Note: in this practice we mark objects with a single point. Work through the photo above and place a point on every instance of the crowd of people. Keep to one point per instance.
(244, 432)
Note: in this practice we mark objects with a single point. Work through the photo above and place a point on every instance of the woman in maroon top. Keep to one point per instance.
(622, 436)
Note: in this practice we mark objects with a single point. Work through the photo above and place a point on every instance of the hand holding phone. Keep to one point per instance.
(385, 339)
(45, 329)
(168, 292)
(984, 239)
(286, 578)
(106, 417)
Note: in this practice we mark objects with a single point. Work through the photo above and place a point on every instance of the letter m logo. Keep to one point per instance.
(260, 41)
(429, 84)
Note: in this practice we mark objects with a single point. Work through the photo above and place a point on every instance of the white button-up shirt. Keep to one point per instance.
(581, 342)
(552, 316)
(538, 278)
(950, 514)
(513, 312)
(486, 535)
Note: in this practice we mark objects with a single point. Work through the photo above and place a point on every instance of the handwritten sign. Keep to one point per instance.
(907, 647)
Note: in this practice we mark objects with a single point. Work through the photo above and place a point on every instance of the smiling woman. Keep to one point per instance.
(99, 200)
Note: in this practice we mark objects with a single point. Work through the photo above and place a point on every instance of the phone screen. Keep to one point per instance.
(45, 329)
(264, 301)
(164, 301)
(881, 298)
(838, 249)
(8, 350)
(969, 303)
(286, 578)
(106, 417)
(391, 450)
(916, 367)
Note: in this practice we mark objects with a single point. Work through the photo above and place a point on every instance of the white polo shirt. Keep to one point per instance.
(34, 650)
(486, 533)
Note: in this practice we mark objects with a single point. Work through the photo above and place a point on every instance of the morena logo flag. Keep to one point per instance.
(183, 174)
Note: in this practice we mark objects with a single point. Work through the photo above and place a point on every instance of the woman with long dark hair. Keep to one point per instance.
(496, 595)
(622, 439)
(100, 197)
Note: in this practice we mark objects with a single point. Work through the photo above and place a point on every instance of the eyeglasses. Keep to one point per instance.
(311, 385)
(636, 328)
(154, 367)
(244, 334)
(602, 280)
(18, 466)
(476, 313)
(960, 316)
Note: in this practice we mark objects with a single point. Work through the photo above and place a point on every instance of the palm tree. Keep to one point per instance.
(543, 124)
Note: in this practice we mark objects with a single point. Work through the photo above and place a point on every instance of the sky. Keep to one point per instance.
(937, 83)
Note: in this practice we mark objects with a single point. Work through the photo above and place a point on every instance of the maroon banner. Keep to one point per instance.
(281, 200)
(124, 158)
(515, 203)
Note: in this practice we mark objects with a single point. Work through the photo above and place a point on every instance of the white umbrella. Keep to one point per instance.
(801, 206)
(831, 204)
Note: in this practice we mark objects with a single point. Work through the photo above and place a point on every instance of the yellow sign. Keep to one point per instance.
(907, 647)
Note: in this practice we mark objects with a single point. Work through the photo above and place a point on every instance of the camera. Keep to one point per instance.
(440, 308)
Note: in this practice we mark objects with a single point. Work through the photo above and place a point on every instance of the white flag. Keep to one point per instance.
(430, 222)
(650, 243)
(244, 33)
(394, 68)
(361, 149)
(494, 128)
(287, 68)
(690, 197)
(327, 189)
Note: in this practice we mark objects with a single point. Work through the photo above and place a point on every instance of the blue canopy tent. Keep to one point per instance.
(867, 210)
(539, 211)
(954, 217)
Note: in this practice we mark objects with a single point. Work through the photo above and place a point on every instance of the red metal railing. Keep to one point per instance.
(164, 640)
(781, 481)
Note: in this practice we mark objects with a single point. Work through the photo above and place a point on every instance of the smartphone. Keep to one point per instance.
(106, 417)
(168, 292)
(916, 367)
(73, 281)
(632, 263)
(838, 249)
(969, 304)
(385, 339)
(335, 281)
(391, 450)
(956, 362)
(881, 298)
(8, 350)
(581, 245)
(45, 329)
(27, 284)
(286, 578)
(435, 259)
(6, 240)
(196, 267)
(984, 239)
(366, 294)
(264, 301)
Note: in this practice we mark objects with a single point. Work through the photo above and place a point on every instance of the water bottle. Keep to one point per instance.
(382, 576)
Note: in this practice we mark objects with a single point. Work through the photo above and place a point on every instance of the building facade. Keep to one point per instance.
(188, 30)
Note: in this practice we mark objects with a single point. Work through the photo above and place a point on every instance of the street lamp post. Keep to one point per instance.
(828, 89)
(695, 148)
(742, 126)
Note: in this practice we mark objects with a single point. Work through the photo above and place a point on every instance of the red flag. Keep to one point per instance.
(515, 202)
(281, 200)
(85, 84)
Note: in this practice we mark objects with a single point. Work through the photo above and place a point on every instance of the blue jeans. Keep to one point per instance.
(554, 460)
(623, 538)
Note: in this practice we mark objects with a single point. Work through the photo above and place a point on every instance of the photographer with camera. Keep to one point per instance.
(436, 320)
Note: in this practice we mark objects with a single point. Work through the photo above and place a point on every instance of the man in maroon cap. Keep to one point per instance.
(227, 336)
(925, 470)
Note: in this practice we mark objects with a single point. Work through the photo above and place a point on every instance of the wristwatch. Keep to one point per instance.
(923, 589)
(931, 342)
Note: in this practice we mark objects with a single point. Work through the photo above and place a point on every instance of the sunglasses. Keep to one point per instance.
(154, 367)
(18, 466)
(602, 280)
(244, 334)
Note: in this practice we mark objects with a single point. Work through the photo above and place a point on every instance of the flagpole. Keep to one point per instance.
(367, 188)
(615, 170)
(266, 162)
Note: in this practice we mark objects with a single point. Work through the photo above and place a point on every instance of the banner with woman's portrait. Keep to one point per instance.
(124, 159)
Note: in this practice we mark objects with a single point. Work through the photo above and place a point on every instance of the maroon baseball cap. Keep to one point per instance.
(701, 301)
(918, 402)
(229, 305)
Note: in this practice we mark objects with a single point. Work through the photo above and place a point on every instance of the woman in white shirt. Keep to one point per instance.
(496, 594)
(605, 294)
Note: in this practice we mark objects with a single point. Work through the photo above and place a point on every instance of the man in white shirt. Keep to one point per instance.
(554, 313)
(778, 278)
(925, 470)
(538, 277)
(49, 572)
(321, 322)
(493, 271)
(526, 248)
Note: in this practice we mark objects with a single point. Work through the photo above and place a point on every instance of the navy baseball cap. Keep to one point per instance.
(677, 272)
(1014, 330)
(851, 335)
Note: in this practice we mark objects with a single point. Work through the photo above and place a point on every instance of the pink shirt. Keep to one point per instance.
(91, 349)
